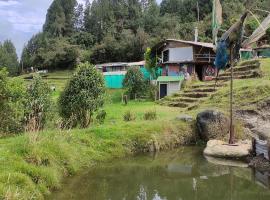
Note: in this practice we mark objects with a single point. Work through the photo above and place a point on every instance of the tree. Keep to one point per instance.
(60, 18)
(150, 62)
(82, 96)
(43, 52)
(12, 96)
(37, 105)
(134, 82)
(8, 57)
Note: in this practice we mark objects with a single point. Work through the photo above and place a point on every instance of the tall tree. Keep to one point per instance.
(60, 18)
(8, 57)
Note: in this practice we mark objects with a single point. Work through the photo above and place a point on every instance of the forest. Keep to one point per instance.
(119, 30)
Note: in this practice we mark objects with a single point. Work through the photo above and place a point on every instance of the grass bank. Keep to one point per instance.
(35, 164)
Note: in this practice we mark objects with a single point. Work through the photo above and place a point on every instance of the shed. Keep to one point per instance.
(262, 52)
(169, 84)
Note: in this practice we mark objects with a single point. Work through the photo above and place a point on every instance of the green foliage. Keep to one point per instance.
(101, 116)
(129, 116)
(8, 57)
(150, 62)
(151, 91)
(37, 105)
(12, 93)
(134, 83)
(113, 31)
(83, 95)
(59, 19)
(43, 52)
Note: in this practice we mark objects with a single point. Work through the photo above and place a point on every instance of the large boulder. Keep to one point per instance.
(212, 124)
(220, 149)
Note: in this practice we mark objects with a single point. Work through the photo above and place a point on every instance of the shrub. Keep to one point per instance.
(12, 96)
(134, 82)
(152, 91)
(101, 116)
(82, 96)
(129, 116)
(38, 104)
(150, 115)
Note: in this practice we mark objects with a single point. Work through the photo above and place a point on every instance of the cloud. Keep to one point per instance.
(8, 3)
(19, 20)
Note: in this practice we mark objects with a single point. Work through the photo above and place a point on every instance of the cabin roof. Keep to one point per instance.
(192, 43)
(115, 64)
(141, 63)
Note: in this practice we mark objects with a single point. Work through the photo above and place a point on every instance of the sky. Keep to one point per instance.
(21, 19)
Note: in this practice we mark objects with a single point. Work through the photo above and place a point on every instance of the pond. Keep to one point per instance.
(182, 174)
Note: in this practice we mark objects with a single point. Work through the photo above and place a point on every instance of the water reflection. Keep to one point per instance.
(183, 174)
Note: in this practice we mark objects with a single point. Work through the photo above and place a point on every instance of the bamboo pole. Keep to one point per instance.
(232, 135)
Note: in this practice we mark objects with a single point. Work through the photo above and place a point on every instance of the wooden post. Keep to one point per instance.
(232, 136)
(125, 99)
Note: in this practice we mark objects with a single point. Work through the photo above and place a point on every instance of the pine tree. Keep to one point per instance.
(8, 57)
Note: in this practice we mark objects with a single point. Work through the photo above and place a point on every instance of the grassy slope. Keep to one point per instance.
(246, 92)
(32, 165)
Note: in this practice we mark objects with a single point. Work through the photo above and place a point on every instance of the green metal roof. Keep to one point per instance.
(170, 78)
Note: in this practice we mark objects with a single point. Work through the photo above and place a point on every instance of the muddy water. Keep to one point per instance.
(183, 174)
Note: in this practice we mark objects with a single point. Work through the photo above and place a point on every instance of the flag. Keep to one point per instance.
(216, 19)
(258, 33)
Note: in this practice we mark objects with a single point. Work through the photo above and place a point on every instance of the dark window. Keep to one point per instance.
(166, 56)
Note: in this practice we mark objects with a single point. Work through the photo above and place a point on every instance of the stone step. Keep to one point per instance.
(195, 95)
(211, 85)
(246, 67)
(251, 75)
(184, 100)
(239, 73)
(202, 90)
(178, 104)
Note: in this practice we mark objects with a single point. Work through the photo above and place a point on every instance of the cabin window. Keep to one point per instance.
(166, 56)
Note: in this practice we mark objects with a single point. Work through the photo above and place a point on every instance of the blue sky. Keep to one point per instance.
(20, 19)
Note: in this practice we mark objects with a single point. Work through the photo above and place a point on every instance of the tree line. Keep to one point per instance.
(121, 30)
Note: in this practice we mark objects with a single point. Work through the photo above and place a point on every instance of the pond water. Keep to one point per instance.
(182, 174)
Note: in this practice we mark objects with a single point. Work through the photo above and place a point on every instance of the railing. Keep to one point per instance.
(210, 58)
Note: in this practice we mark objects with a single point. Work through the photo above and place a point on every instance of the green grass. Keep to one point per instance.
(247, 93)
(33, 167)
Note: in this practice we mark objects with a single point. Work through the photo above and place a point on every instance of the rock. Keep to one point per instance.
(260, 163)
(185, 118)
(212, 124)
(220, 149)
(226, 162)
(263, 131)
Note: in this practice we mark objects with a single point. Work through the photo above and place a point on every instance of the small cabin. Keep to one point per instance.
(197, 57)
(169, 85)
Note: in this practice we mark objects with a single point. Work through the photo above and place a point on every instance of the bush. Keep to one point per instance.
(82, 96)
(129, 116)
(152, 91)
(150, 115)
(134, 83)
(101, 116)
(12, 97)
(38, 104)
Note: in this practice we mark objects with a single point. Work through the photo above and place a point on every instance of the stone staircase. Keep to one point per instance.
(243, 71)
(193, 95)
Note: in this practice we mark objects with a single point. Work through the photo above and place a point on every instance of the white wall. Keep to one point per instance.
(181, 54)
(173, 87)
